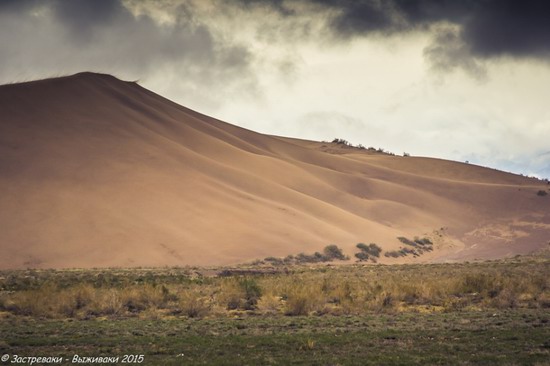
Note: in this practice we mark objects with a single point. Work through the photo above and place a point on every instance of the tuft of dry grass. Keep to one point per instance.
(193, 304)
(303, 299)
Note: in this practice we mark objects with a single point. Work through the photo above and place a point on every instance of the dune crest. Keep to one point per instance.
(98, 172)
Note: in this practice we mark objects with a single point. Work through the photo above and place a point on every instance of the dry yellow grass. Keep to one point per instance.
(301, 291)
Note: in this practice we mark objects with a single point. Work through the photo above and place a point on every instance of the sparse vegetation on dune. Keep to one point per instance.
(346, 143)
(330, 253)
(419, 246)
(366, 253)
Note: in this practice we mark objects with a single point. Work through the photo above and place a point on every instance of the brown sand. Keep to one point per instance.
(97, 172)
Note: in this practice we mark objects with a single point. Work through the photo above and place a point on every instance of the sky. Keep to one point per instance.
(464, 80)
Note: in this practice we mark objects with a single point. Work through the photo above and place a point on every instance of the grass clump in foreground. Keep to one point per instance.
(491, 312)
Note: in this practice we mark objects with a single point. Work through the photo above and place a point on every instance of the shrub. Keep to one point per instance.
(387, 301)
(362, 256)
(274, 261)
(302, 300)
(371, 251)
(423, 241)
(402, 252)
(194, 306)
(252, 292)
(333, 252)
(407, 251)
(363, 247)
(240, 293)
(420, 245)
(392, 253)
(298, 304)
(406, 241)
(341, 142)
(138, 298)
(289, 259)
(541, 193)
(303, 258)
(375, 250)
(306, 258)
(230, 296)
(330, 253)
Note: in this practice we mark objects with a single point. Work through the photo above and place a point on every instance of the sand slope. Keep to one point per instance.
(98, 172)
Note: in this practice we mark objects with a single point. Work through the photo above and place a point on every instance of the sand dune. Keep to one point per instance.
(97, 172)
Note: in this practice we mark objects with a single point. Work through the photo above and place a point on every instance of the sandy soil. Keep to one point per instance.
(98, 172)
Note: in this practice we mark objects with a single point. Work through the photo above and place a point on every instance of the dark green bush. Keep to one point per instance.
(420, 245)
(423, 241)
(375, 250)
(406, 241)
(341, 142)
(371, 251)
(333, 252)
(274, 260)
(362, 256)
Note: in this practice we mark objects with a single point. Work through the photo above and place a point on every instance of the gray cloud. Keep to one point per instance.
(449, 51)
(486, 28)
(40, 39)
(360, 17)
(509, 28)
(83, 16)
(489, 27)
(104, 35)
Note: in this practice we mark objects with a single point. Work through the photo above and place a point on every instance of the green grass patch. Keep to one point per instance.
(511, 337)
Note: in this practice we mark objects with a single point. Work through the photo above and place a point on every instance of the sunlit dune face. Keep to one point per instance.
(99, 172)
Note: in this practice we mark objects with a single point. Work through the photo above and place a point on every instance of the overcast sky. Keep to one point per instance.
(462, 80)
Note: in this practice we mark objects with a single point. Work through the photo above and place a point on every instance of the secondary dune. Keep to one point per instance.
(98, 172)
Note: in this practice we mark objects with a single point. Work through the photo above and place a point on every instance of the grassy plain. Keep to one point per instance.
(494, 313)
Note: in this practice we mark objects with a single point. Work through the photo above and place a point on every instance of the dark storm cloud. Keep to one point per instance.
(14, 5)
(489, 28)
(516, 28)
(82, 16)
